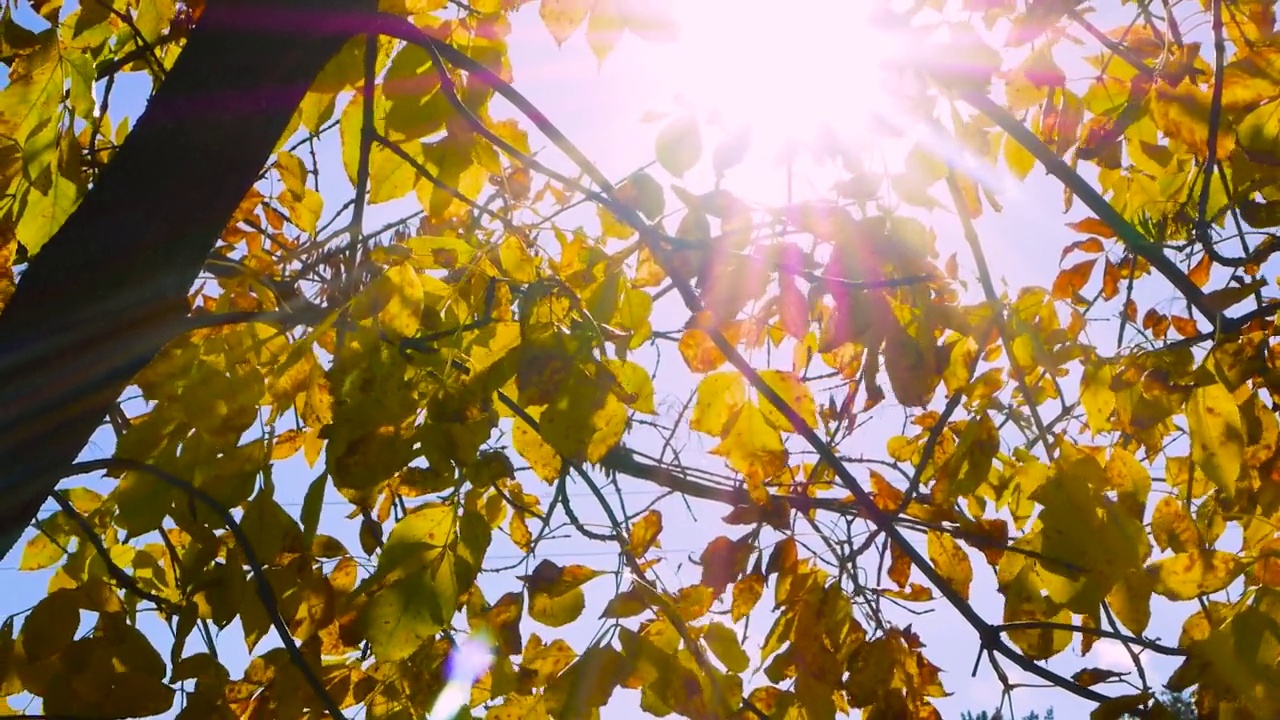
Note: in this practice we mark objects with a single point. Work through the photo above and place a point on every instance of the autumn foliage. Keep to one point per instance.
(489, 374)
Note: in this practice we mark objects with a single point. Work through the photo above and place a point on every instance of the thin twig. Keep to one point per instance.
(997, 308)
(126, 581)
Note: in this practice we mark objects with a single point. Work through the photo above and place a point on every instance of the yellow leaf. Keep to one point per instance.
(679, 145)
(627, 603)
(1217, 437)
(1182, 114)
(644, 533)
(40, 552)
(1259, 135)
(694, 601)
(51, 625)
(753, 447)
(1224, 299)
(746, 593)
(312, 445)
(720, 396)
(540, 456)
(287, 444)
(584, 422)
(1172, 527)
(563, 17)
(404, 299)
(605, 27)
(516, 260)
(951, 561)
(724, 644)
(555, 593)
(1188, 575)
(1130, 600)
(416, 585)
(795, 393)
(520, 534)
(634, 384)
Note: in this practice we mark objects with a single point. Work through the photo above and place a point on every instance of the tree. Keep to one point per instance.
(1033, 715)
(481, 374)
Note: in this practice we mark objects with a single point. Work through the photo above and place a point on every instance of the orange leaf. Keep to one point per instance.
(1200, 273)
(1184, 326)
(723, 562)
(1073, 279)
(1090, 245)
(699, 352)
(1093, 226)
(1156, 322)
(1110, 280)
(899, 566)
(644, 533)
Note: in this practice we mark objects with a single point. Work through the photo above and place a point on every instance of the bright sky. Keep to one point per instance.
(787, 69)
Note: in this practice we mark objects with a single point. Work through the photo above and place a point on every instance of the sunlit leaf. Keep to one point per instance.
(644, 533)
(679, 145)
(1217, 438)
(563, 17)
(724, 644)
(1189, 575)
(797, 396)
(952, 562)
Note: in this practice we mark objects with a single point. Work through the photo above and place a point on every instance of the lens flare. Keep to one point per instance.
(467, 663)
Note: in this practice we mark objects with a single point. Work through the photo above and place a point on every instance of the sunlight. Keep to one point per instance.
(789, 71)
(467, 663)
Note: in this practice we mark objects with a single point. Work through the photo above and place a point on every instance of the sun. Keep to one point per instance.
(790, 70)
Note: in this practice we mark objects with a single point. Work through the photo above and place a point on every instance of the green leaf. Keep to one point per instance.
(1217, 436)
(679, 145)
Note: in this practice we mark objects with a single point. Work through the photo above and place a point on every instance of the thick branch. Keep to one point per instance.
(108, 290)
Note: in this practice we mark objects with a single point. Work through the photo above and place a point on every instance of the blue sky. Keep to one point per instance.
(600, 108)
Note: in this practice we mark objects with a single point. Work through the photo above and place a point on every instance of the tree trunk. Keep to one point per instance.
(105, 294)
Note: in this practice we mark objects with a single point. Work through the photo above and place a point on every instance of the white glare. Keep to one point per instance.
(467, 663)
